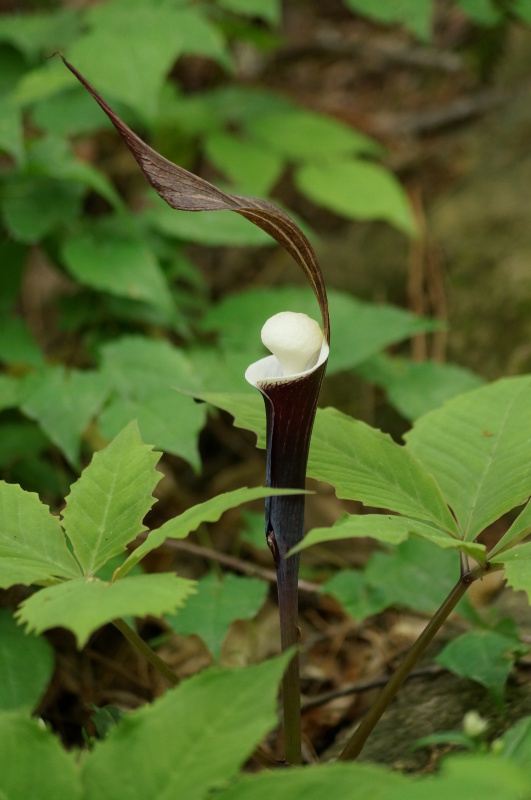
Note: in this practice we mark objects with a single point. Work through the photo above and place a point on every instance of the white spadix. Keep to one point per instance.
(294, 339)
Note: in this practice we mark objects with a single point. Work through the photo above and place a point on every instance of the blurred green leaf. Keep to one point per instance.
(249, 167)
(31, 756)
(483, 656)
(32, 543)
(17, 345)
(358, 190)
(36, 32)
(11, 131)
(85, 604)
(416, 388)
(26, 665)
(34, 205)
(217, 604)
(63, 403)
(305, 136)
(143, 373)
(269, 10)
(415, 15)
(359, 599)
(517, 742)
(10, 392)
(107, 504)
(484, 12)
(109, 257)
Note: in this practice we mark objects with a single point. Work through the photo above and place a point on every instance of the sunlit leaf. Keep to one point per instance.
(26, 665)
(159, 751)
(106, 506)
(478, 449)
(85, 604)
(216, 605)
(32, 544)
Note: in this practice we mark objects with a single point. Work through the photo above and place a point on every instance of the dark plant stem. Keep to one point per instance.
(142, 647)
(357, 741)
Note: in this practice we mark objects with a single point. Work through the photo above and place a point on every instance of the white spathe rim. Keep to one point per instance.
(268, 370)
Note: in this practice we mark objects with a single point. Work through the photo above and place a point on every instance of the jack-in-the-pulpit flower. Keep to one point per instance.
(289, 380)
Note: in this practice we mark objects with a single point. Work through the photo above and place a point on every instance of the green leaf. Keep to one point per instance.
(144, 374)
(34, 205)
(246, 408)
(483, 656)
(64, 403)
(518, 531)
(358, 598)
(139, 48)
(32, 544)
(69, 113)
(362, 463)
(33, 757)
(484, 12)
(478, 449)
(106, 506)
(517, 567)
(17, 345)
(358, 190)
(416, 388)
(415, 15)
(517, 742)
(209, 511)
(33, 33)
(415, 575)
(159, 751)
(11, 131)
(269, 10)
(85, 604)
(391, 530)
(250, 168)
(341, 781)
(10, 392)
(26, 665)
(216, 605)
(108, 257)
(41, 83)
(305, 136)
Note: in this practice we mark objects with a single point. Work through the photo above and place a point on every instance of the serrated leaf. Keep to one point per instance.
(110, 258)
(106, 506)
(32, 544)
(391, 530)
(209, 511)
(217, 604)
(26, 665)
(31, 756)
(478, 448)
(327, 780)
(517, 564)
(85, 604)
(483, 656)
(63, 403)
(358, 190)
(145, 374)
(159, 751)
(362, 463)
